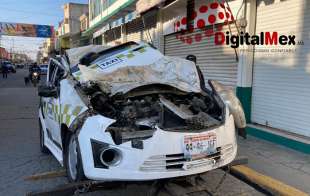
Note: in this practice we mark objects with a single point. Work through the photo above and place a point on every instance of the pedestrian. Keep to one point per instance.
(5, 71)
(26, 79)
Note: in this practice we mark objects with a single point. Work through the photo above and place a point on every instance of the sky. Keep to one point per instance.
(44, 12)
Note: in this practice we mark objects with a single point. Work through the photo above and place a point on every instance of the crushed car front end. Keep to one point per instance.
(151, 116)
(160, 156)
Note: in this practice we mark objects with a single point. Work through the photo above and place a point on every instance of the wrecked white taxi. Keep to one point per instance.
(130, 113)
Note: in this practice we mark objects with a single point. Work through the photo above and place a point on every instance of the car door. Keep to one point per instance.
(53, 105)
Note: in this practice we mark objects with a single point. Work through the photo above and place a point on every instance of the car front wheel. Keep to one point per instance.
(72, 160)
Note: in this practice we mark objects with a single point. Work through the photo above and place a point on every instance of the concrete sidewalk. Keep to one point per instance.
(278, 162)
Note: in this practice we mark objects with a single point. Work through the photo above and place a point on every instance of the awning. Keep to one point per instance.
(102, 30)
(145, 5)
(117, 22)
(122, 11)
(131, 16)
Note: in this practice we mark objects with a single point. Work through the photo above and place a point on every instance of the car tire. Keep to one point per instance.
(43, 148)
(72, 159)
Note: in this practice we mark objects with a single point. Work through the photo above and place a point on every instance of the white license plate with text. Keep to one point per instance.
(199, 146)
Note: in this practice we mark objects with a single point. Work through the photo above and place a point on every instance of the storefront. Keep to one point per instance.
(98, 35)
(143, 28)
(107, 18)
(130, 28)
(113, 36)
(217, 62)
(281, 74)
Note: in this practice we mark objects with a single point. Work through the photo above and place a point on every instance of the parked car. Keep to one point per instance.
(12, 68)
(20, 66)
(43, 68)
(9, 65)
(131, 113)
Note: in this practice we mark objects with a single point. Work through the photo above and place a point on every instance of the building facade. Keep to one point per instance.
(69, 33)
(4, 54)
(48, 47)
(19, 58)
(277, 77)
(112, 22)
(84, 21)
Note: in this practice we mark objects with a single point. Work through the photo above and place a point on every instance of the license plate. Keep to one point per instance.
(199, 146)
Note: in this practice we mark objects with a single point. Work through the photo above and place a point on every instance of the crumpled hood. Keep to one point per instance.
(121, 74)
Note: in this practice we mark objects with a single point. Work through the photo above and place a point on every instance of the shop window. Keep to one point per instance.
(98, 40)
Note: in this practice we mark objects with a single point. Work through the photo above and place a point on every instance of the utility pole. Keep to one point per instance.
(12, 50)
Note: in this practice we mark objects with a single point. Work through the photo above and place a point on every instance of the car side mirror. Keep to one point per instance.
(47, 91)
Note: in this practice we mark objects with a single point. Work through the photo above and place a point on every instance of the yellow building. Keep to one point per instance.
(68, 33)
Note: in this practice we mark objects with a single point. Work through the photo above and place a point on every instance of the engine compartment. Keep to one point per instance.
(138, 114)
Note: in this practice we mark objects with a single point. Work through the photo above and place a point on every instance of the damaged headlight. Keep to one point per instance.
(232, 101)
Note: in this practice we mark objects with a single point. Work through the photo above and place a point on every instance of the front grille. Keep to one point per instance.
(175, 162)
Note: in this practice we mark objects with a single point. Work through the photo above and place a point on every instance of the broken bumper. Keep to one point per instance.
(161, 156)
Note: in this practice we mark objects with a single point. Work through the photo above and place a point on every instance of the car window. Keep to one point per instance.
(51, 70)
(52, 81)
(58, 76)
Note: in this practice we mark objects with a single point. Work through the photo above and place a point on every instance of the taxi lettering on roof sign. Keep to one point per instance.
(109, 62)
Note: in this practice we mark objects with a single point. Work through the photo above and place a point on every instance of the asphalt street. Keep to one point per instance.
(20, 154)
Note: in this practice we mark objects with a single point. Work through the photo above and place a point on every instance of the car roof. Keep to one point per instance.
(75, 54)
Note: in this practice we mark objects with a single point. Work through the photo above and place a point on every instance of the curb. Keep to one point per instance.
(278, 139)
(267, 183)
